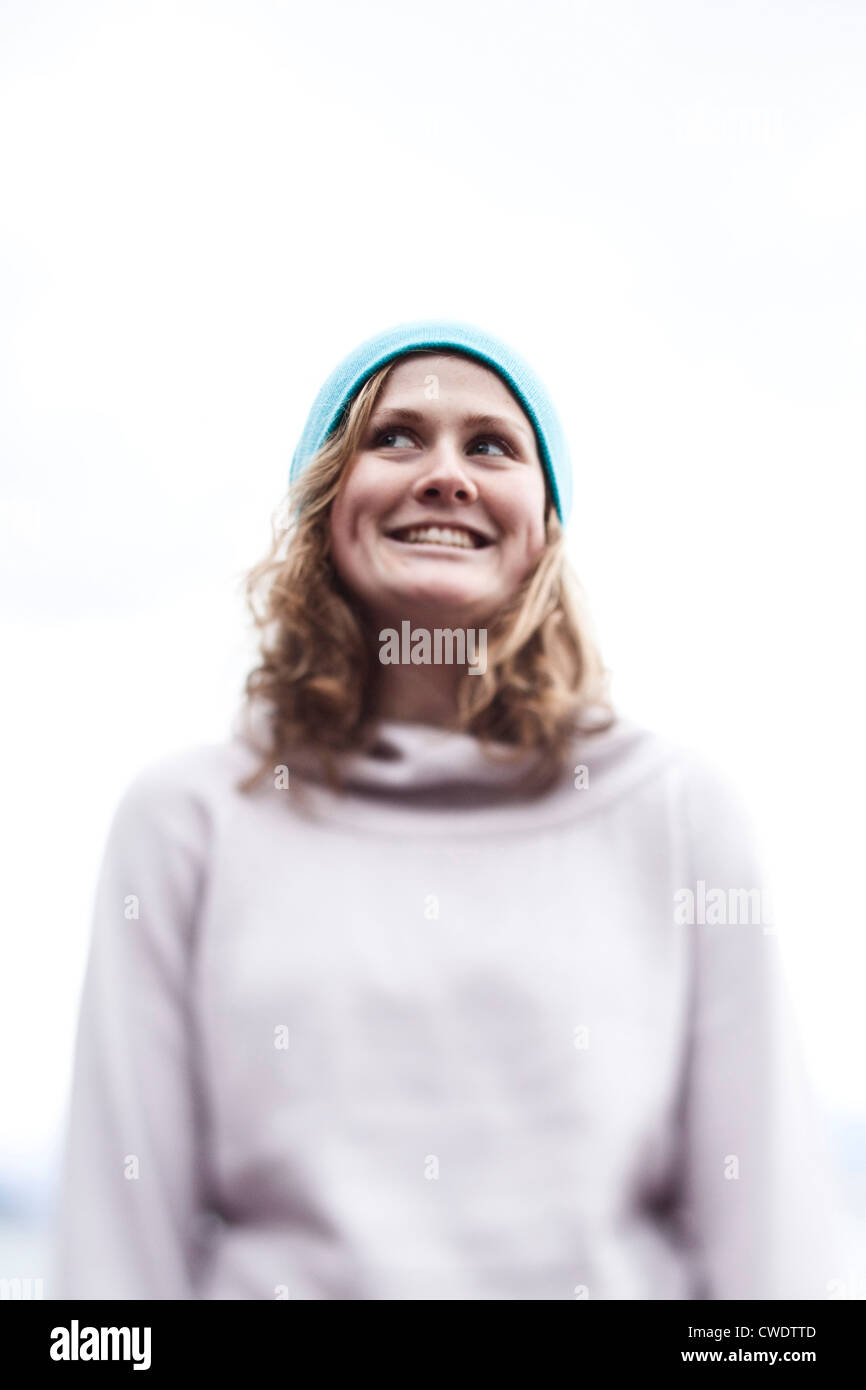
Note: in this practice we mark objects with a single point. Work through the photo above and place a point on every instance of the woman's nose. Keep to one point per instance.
(445, 476)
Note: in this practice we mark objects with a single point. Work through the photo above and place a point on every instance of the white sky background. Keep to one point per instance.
(204, 206)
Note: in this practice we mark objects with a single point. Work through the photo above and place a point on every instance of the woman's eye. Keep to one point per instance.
(385, 435)
(391, 434)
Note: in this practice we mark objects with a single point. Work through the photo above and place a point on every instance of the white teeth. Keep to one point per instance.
(439, 535)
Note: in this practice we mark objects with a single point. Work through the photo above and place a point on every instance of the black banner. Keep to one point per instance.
(162, 1338)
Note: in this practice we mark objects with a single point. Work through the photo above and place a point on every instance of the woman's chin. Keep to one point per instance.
(442, 611)
(450, 600)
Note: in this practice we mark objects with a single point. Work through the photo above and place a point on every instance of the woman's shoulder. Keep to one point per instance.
(627, 757)
(185, 783)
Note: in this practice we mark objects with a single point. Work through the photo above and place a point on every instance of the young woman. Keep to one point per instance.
(437, 979)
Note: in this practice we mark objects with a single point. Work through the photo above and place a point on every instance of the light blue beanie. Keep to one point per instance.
(354, 370)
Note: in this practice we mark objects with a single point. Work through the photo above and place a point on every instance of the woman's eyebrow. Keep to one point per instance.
(416, 417)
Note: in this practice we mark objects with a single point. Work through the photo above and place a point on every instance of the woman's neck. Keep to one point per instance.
(417, 694)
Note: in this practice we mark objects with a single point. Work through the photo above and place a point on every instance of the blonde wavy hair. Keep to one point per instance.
(544, 682)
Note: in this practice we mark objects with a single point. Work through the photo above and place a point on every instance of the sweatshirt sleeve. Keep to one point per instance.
(129, 1189)
(759, 1193)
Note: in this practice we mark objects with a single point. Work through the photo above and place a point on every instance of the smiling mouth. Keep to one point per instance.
(450, 537)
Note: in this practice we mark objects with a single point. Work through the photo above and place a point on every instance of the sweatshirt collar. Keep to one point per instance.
(408, 759)
(421, 780)
(421, 760)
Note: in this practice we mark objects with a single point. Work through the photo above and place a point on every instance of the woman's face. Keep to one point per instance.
(424, 461)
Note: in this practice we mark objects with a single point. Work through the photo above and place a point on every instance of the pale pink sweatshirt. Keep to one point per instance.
(431, 1041)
